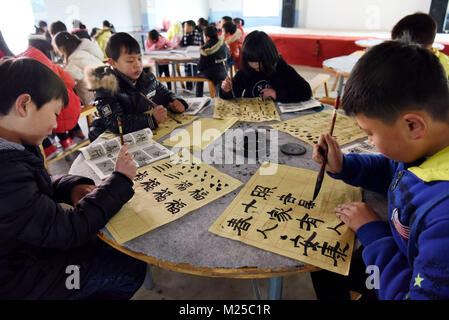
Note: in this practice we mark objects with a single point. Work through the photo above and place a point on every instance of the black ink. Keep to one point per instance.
(175, 206)
(308, 222)
(162, 195)
(336, 227)
(280, 214)
(263, 231)
(150, 184)
(249, 205)
(240, 224)
(262, 192)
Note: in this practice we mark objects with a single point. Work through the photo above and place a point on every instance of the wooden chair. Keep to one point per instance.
(191, 79)
(319, 80)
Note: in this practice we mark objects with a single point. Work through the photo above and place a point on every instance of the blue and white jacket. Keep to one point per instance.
(412, 248)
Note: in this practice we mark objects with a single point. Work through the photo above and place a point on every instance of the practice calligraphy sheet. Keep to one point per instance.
(101, 157)
(276, 213)
(200, 134)
(246, 110)
(169, 124)
(308, 128)
(166, 191)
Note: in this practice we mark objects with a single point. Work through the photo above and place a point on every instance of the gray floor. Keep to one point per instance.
(173, 285)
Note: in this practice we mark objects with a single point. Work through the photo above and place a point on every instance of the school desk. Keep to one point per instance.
(185, 245)
(189, 55)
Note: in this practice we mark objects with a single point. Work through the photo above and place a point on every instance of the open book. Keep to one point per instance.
(196, 104)
(299, 106)
(101, 156)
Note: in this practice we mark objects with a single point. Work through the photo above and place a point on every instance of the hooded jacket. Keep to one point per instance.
(213, 60)
(288, 84)
(412, 249)
(235, 43)
(38, 238)
(116, 96)
(87, 54)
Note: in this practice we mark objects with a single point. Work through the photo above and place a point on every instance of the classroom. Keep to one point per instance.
(224, 150)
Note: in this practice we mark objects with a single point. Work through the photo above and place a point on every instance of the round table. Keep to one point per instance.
(185, 245)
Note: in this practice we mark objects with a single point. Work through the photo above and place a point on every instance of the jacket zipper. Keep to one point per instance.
(400, 174)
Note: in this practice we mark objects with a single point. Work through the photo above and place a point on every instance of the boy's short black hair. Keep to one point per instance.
(396, 76)
(190, 23)
(56, 27)
(229, 27)
(227, 18)
(121, 40)
(153, 35)
(211, 32)
(25, 75)
(419, 27)
(239, 21)
(258, 47)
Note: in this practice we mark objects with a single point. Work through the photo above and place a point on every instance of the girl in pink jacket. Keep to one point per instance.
(157, 42)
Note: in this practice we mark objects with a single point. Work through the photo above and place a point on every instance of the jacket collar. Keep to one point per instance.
(207, 51)
(435, 168)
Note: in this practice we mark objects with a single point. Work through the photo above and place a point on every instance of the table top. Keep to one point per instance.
(186, 245)
(343, 64)
(368, 43)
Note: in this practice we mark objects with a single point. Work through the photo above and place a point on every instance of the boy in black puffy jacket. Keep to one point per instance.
(46, 251)
(213, 60)
(121, 87)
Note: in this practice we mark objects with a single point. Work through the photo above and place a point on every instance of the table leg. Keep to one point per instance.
(255, 288)
(275, 288)
(174, 74)
(148, 282)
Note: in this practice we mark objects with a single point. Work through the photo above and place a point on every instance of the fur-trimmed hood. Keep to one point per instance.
(101, 78)
(207, 51)
(236, 36)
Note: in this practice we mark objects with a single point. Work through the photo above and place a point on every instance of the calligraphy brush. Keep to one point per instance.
(120, 129)
(155, 105)
(320, 177)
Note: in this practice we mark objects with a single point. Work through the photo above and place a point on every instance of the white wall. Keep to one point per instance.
(124, 15)
(379, 15)
(176, 10)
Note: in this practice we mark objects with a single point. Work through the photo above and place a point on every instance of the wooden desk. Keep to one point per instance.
(174, 58)
(186, 245)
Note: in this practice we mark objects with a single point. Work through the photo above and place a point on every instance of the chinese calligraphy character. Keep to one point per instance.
(308, 222)
(240, 224)
(262, 192)
(249, 205)
(140, 176)
(183, 185)
(174, 206)
(306, 204)
(287, 198)
(336, 227)
(162, 195)
(307, 243)
(150, 184)
(174, 175)
(280, 214)
(199, 194)
(263, 231)
(334, 252)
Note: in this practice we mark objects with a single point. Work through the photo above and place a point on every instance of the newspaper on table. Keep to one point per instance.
(299, 106)
(101, 156)
(196, 105)
(361, 147)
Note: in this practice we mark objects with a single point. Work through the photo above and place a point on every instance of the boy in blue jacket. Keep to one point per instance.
(398, 93)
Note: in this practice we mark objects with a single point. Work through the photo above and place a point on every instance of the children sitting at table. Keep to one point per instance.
(420, 28)
(265, 74)
(154, 42)
(234, 39)
(124, 90)
(47, 251)
(213, 60)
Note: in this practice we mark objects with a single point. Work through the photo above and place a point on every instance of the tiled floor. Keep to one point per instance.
(172, 285)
